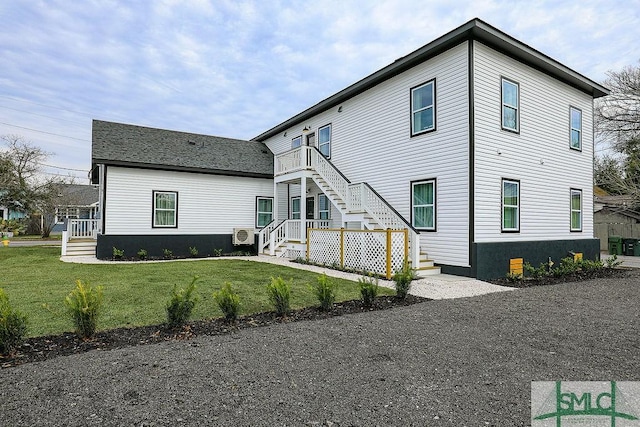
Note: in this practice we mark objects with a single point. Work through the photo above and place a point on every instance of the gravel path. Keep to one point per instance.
(454, 362)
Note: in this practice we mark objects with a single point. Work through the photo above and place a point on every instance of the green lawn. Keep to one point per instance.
(136, 294)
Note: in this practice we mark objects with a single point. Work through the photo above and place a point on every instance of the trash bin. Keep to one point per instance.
(636, 248)
(628, 246)
(615, 245)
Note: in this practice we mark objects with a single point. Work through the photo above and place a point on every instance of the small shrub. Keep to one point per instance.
(368, 290)
(567, 267)
(325, 291)
(403, 279)
(143, 254)
(118, 253)
(588, 265)
(84, 304)
(514, 277)
(279, 293)
(612, 261)
(167, 253)
(536, 273)
(217, 252)
(13, 326)
(181, 304)
(228, 301)
(193, 251)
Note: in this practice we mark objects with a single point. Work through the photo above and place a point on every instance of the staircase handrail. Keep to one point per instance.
(330, 173)
(278, 236)
(262, 235)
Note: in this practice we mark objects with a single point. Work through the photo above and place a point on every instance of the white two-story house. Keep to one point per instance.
(477, 145)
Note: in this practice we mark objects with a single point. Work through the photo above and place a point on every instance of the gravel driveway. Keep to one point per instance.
(455, 362)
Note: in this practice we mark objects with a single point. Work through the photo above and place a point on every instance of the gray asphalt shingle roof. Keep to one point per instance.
(78, 194)
(130, 145)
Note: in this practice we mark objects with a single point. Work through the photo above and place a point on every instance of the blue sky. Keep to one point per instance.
(238, 68)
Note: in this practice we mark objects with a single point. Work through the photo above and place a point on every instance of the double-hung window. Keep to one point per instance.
(576, 210)
(165, 209)
(295, 208)
(296, 142)
(576, 128)
(324, 140)
(423, 205)
(510, 105)
(423, 108)
(510, 205)
(264, 211)
(324, 207)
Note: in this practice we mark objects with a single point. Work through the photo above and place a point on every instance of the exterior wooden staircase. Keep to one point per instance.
(357, 202)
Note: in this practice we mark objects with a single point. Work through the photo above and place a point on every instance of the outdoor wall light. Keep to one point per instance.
(306, 129)
(284, 134)
(340, 109)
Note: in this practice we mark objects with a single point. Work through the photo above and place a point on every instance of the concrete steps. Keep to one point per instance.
(81, 247)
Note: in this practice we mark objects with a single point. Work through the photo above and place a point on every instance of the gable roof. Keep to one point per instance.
(476, 29)
(79, 195)
(121, 144)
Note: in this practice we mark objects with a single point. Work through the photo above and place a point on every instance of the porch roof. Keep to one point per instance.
(138, 146)
(476, 29)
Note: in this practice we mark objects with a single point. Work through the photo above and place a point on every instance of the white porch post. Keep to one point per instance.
(303, 209)
(275, 202)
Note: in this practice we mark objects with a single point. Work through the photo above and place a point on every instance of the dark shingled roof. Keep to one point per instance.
(78, 195)
(137, 146)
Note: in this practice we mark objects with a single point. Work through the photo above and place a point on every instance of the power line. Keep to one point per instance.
(43, 115)
(67, 169)
(45, 105)
(41, 131)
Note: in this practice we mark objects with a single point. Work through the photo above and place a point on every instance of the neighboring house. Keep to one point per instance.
(613, 215)
(76, 202)
(162, 189)
(477, 144)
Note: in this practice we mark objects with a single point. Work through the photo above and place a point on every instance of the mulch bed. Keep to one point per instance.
(552, 280)
(51, 346)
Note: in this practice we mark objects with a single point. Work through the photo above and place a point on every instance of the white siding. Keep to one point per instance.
(371, 143)
(207, 204)
(539, 156)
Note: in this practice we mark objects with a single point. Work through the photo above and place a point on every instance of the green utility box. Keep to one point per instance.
(615, 245)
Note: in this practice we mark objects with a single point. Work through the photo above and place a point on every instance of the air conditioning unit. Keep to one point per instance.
(243, 236)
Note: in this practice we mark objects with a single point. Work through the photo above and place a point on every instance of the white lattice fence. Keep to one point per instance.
(377, 251)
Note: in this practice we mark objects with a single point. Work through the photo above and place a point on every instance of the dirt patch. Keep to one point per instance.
(48, 347)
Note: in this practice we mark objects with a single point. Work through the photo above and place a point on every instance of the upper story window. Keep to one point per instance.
(296, 142)
(510, 105)
(576, 128)
(423, 107)
(165, 209)
(423, 205)
(576, 210)
(324, 140)
(510, 205)
(264, 211)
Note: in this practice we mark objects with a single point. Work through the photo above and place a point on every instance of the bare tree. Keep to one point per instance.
(617, 119)
(23, 184)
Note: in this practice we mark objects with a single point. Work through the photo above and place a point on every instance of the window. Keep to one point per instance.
(576, 210)
(264, 211)
(423, 103)
(324, 208)
(510, 205)
(324, 140)
(423, 205)
(576, 128)
(295, 208)
(296, 142)
(165, 209)
(510, 106)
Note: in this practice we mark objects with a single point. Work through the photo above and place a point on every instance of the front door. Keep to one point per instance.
(311, 139)
(311, 207)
